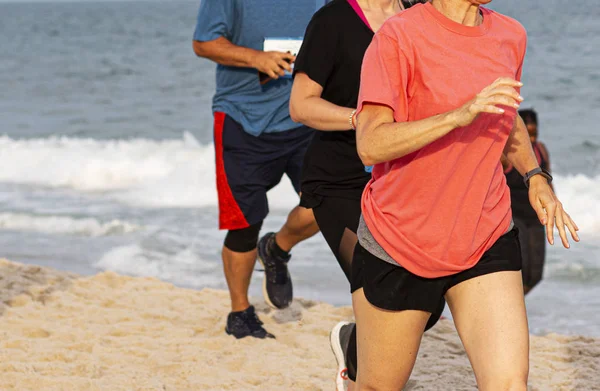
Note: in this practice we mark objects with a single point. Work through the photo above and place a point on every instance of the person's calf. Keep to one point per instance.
(300, 225)
(239, 257)
(238, 269)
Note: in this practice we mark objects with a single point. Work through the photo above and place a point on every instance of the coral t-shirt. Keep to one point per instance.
(437, 210)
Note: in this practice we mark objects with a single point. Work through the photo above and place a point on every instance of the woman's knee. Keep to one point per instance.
(515, 384)
(507, 382)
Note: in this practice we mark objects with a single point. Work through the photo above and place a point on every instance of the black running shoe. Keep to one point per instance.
(339, 338)
(277, 285)
(246, 324)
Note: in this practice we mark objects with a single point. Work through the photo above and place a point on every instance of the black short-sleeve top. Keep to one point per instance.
(331, 55)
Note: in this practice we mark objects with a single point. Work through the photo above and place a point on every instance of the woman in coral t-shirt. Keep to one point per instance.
(437, 109)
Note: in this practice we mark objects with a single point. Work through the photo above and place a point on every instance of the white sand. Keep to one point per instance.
(60, 331)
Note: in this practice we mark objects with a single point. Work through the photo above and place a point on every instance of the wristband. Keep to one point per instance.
(536, 171)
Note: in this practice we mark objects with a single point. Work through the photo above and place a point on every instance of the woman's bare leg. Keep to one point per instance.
(489, 314)
(388, 342)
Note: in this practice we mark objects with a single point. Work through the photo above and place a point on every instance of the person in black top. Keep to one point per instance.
(531, 232)
(324, 97)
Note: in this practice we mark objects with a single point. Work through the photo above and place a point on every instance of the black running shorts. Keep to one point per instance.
(249, 166)
(393, 288)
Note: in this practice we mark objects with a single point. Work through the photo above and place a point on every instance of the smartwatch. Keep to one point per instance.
(536, 171)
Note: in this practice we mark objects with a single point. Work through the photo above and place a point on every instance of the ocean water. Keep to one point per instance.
(107, 160)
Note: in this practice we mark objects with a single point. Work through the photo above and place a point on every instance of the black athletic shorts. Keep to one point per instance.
(392, 287)
(249, 166)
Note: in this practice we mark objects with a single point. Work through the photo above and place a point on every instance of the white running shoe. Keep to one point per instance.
(339, 338)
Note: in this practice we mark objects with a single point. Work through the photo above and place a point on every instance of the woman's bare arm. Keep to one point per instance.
(380, 139)
(308, 108)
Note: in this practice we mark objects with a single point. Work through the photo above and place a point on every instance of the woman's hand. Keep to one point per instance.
(549, 210)
(502, 92)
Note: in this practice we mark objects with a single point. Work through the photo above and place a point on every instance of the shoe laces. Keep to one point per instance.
(253, 322)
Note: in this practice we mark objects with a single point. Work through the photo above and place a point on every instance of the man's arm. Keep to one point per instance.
(223, 52)
(215, 26)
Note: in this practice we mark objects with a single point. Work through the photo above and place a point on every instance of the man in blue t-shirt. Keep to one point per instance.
(256, 142)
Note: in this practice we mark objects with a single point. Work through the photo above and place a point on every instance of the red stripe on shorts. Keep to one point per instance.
(230, 214)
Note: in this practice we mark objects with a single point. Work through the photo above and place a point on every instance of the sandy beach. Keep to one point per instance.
(60, 331)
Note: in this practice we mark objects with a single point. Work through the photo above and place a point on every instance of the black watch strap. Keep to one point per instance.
(536, 171)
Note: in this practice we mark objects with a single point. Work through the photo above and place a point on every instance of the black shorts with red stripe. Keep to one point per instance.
(249, 166)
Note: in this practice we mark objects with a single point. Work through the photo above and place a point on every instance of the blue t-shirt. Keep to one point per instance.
(258, 108)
